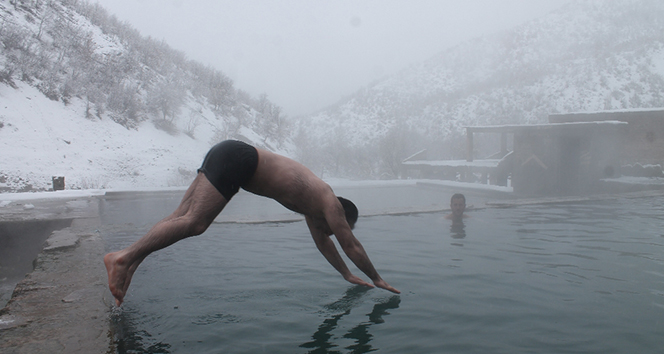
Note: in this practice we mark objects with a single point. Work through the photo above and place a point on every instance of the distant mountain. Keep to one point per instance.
(586, 56)
(86, 96)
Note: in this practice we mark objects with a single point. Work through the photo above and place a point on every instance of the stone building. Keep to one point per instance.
(643, 140)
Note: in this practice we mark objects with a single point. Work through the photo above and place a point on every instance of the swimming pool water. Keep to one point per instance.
(569, 278)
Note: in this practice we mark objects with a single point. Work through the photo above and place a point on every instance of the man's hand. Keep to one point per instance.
(384, 285)
(378, 283)
(356, 280)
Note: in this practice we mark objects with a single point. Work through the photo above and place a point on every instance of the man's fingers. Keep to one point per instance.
(386, 286)
(392, 290)
(389, 288)
(380, 284)
(358, 281)
(362, 282)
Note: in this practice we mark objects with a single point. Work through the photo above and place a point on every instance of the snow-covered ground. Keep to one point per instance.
(40, 138)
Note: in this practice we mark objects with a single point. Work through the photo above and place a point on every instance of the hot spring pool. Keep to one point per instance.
(569, 278)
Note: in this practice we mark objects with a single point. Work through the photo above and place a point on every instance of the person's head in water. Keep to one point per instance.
(351, 211)
(458, 206)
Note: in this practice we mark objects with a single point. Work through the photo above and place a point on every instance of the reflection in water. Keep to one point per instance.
(322, 343)
(128, 338)
(458, 229)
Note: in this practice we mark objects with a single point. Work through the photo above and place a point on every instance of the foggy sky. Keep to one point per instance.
(307, 54)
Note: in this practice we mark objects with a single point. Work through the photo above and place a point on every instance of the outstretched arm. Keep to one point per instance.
(354, 250)
(329, 251)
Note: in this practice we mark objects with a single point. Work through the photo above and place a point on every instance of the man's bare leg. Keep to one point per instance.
(197, 210)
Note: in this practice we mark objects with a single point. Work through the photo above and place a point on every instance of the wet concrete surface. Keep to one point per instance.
(63, 305)
(20, 243)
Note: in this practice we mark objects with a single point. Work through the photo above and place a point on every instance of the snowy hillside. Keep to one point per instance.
(110, 109)
(587, 56)
(86, 97)
(41, 138)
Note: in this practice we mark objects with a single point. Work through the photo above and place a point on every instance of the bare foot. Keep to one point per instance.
(119, 275)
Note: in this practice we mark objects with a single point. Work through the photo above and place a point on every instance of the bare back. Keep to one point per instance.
(291, 184)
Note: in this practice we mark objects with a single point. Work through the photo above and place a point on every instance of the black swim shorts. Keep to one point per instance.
(229, 165)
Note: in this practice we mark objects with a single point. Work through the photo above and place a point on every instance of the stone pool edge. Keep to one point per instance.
(63, 305)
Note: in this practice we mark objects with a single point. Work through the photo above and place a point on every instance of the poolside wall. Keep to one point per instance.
(644, 136)
(565, 160)
(63, 304)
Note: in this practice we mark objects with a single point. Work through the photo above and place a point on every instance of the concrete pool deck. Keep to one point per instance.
(63, 305)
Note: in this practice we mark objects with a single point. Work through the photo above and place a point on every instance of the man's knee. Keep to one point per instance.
(198, 226)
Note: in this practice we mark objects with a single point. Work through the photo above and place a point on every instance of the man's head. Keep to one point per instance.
(351, 211)
(458, 205)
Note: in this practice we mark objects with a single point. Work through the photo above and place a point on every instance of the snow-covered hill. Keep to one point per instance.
(84, 107)
(41, 138)
(114, 126)
(590, 55)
